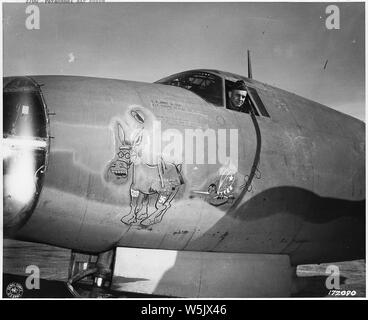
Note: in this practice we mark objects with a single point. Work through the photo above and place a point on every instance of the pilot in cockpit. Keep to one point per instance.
(238, 96)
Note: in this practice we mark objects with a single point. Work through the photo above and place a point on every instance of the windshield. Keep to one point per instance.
(207, 85)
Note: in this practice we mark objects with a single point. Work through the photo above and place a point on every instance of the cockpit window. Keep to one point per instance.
(207, 85)
(252, 101)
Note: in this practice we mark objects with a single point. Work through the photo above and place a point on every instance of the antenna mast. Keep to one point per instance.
(249, 66)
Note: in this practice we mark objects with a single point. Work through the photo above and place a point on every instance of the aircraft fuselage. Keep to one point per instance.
(298, 187)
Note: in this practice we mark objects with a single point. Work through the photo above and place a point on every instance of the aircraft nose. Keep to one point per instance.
(24, 147)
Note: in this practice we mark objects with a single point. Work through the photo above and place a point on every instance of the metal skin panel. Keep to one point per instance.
(306, 199)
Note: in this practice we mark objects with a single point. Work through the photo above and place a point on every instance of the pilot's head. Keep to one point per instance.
(238, 94)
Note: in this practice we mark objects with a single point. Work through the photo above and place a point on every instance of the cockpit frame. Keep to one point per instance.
(214, 86)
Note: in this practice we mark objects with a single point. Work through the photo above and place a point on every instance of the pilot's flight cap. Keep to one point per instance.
(240, 85)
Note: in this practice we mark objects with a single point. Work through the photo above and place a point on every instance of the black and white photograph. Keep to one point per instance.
(174, 150)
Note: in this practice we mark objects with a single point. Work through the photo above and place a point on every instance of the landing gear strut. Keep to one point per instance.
(90, 275)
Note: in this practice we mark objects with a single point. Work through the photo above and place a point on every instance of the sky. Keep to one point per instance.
(289, 44)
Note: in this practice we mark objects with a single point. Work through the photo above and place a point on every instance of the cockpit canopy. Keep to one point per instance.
(214, 87)
(207, 85)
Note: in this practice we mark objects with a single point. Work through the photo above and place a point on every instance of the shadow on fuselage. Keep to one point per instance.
(301, 202)
(328, 230)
